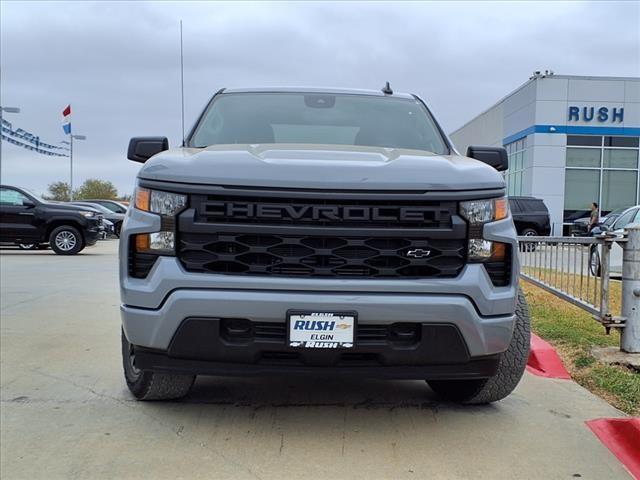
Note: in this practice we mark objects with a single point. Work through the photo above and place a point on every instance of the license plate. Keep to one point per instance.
(321, 329)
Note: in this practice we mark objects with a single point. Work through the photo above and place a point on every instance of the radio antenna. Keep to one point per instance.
(182, 83)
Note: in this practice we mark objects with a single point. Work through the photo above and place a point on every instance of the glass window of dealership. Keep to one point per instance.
(603, 168)
(598, 168)
(515, 177)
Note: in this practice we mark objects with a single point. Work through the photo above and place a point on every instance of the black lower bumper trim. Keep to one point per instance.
(481, 367)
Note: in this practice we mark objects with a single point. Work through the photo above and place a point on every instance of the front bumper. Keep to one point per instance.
(155, 328)
(91, 237)
(216, 346)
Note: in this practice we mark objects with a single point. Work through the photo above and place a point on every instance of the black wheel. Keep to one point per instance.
(66, 240)
(151, 385)
(28, 246)
(594, 261)
(116, 229)
(510, 369)
(529, 247)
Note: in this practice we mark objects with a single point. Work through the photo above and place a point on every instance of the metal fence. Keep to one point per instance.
(577, 269)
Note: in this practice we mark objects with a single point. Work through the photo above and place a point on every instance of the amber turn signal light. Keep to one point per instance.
(502, 208)
(498, 252)
(143, 199)
(143, 242)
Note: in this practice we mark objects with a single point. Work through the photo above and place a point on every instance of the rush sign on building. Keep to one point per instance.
(594, 113)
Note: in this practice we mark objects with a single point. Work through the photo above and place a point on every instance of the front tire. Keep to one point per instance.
(146, 385)
(595, 267)
(66, 240)
(510, 368)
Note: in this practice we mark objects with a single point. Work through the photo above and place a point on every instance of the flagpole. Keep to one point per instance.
(182, 83)
(70, 166)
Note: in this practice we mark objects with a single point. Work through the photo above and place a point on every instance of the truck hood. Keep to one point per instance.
(320, 167)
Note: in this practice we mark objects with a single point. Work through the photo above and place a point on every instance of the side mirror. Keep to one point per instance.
(28, 203)
(495, 157)
(142, 149)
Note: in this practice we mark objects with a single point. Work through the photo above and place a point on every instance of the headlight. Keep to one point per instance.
(87, 214)
(478, 212)
(157, 201)
(167, 205)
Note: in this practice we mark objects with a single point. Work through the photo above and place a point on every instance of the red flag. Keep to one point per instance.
(67, 111)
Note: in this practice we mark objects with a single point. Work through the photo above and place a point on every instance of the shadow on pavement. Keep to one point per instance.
(353, 393)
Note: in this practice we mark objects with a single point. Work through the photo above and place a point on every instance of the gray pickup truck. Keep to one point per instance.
(320, 232)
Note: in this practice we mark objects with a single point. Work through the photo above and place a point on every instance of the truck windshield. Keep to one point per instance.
(326, 119)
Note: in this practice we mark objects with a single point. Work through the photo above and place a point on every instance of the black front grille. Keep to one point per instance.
(298, 233)
(320, 255)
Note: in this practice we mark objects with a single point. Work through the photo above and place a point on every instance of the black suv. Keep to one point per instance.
(530, 215)
(28, 220)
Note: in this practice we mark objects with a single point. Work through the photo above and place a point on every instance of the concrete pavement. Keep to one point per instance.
(66, 413)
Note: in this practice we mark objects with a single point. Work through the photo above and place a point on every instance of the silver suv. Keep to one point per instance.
(320, 232)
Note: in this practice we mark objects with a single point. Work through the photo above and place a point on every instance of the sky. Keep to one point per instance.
(118, 63)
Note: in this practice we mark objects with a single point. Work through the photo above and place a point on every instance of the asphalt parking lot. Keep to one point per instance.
(66, 413)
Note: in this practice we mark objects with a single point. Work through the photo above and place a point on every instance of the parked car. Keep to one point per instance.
(109, 230)
(113, 205)
(115, 218)
(26, 219)
(580, 227)
(629, 217)
(530, 216)
(268, 256)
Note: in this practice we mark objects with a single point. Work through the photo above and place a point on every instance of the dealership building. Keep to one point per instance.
(571, 140)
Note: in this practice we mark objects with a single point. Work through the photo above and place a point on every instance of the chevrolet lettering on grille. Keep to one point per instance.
(248, 210)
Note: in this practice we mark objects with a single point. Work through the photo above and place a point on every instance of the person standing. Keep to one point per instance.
(594, 218)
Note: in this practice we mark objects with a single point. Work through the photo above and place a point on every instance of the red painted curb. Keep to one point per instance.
(622, 437)
(544, 360)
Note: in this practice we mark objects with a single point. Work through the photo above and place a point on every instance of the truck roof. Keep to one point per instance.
(347, 91)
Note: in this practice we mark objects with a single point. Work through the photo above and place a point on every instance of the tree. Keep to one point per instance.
(59, 191)
(93, 188)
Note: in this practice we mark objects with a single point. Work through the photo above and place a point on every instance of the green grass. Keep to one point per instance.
(574, 332)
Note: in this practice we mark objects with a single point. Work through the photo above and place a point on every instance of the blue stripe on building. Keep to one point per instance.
(573, 130)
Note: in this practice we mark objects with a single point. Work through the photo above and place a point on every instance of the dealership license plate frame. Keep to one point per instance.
(323, 315)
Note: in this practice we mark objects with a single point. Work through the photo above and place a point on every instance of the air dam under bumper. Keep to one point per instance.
(155, 328)
(476, 368)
